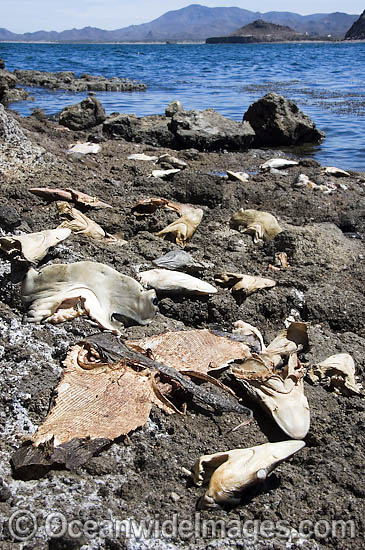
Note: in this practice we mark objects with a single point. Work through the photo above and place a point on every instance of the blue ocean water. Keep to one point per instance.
(326, 80)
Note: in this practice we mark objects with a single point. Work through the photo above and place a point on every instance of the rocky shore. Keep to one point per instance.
(11, 82)
(140, 477)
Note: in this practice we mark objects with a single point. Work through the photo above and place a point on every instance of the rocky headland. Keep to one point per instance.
(201, 158)
(357, 30)
(260, 31)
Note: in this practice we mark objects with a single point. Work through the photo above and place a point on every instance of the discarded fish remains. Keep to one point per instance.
(275, 378)
(62, 292)
(174, 282)
(339, 372)
(231, 472)
(183, 228)
(261, 225)
(33, 247)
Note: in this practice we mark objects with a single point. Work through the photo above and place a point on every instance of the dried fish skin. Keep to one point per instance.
(336, 172)
(339, 370)
(198, 350)
(243, 177)
(184, 228)
(96, 402)
(244, 284)
(33, 247)
(84, 148)
(165, 174)
(150, 205)
(277, 164)
(78, 222)
(261, 225)
(175, 282)
(54, 294)
(169, 160)
(142, 156)
(68, 194)
(229, 473)
(280, 393)
(246, 329)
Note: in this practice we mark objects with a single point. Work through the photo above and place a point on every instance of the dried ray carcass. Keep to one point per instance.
(151, 204)
(175, 282)
(98, 400)
(33, 247)
(169, 160)
(80, 223)
(182, 229)
(107, 390)
(243, 285)
(252, 334)
(62, 292)
(68, 194)
(277, 164)
(275, 378)
(338, 371)
(261, 225)
(231, 472)
(193, 350)
(84, 148)
(165, 174)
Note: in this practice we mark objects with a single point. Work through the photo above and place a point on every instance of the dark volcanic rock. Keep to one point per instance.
(278, 121)
(7, 82)
(2, 63)
(8, 90)
(150, 129)
(210, 131)
(259, 31)
(87, 114)
(9, 217)
(357, 31)
(66, 80)
(141, 477)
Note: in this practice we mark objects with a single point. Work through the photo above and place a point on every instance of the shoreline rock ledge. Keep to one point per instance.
(66, 80)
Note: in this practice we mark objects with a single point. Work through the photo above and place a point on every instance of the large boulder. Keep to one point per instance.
(7, 81)
(278, 121)
(150, 129)
(18, 155)
(210, 131)
(84, 115)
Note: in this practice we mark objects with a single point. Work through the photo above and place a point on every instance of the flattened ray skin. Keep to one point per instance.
(102, 291)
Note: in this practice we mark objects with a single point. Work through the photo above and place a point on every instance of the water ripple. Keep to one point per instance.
(326, 81)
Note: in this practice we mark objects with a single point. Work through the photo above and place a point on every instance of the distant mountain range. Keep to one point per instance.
(194, 22)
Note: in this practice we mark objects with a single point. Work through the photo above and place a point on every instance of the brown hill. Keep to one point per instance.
(357, 31)
(268, 32)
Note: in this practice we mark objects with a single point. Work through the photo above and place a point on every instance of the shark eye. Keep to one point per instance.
(154, 301)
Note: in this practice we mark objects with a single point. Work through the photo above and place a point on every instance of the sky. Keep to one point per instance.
(21, 16)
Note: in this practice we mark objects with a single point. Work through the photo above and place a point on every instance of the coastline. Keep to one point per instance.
(184, 42)
(321, 285)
